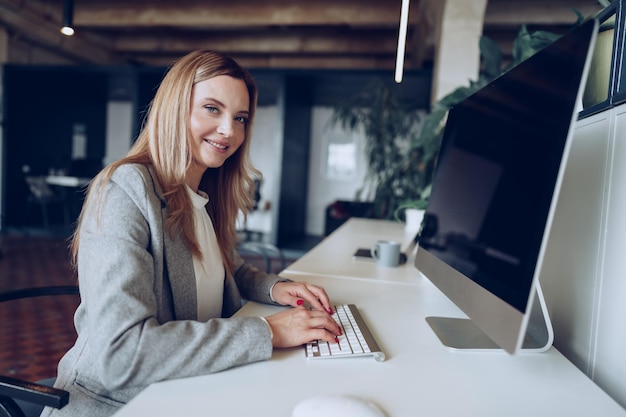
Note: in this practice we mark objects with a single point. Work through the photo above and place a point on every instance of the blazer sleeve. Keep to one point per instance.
(133, 337)
(255, 285)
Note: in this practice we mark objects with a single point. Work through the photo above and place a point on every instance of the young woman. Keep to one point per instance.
(155, 249)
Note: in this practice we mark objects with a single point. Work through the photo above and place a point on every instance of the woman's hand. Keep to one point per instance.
(297, 326)
(295, 294)
(301, 325)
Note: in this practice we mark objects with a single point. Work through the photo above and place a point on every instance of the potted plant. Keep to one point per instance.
(402, 146)
(392, 176)
(411, 212)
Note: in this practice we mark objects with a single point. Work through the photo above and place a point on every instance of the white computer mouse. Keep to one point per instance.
(335, 405)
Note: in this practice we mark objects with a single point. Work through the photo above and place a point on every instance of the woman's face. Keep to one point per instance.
(219, 116)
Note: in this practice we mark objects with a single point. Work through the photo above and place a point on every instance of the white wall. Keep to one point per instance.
(325, 183)
(266, 154)
(584, 270)
(119, 130)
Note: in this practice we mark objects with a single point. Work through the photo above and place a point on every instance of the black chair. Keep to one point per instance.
(44, 195)
(266, 251)
(19, 398)
(338, 212)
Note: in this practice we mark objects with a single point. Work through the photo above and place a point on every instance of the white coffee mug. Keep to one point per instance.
(386, 253)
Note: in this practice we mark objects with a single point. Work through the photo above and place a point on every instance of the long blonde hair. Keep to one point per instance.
(165, 144)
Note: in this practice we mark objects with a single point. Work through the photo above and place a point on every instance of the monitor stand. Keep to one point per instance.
(463, 334)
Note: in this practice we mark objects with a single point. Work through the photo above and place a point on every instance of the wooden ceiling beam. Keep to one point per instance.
(320, 62)
(239, 13)
(265, 42)
(292, 62)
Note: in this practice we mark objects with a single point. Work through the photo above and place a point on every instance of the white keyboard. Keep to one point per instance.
(356, 340)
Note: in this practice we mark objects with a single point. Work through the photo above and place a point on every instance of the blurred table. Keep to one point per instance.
(70, 188)
(67, 181)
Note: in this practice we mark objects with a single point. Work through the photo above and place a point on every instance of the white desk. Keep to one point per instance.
(333, 256)
(419, 378)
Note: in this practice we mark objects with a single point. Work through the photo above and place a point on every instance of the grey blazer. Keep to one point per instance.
(137, 323)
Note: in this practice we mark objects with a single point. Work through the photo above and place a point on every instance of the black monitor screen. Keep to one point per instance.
(497, 170)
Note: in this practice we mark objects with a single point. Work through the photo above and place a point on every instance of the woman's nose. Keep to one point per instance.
(225, 127)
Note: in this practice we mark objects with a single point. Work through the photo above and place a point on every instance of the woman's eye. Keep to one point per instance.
(211, 109)
(241, 119)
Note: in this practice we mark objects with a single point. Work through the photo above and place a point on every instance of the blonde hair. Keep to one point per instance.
(159, 145)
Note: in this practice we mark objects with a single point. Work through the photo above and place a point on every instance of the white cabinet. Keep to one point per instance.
(584, 272)
(609, 364)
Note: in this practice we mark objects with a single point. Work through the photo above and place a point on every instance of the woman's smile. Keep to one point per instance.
(220, 146)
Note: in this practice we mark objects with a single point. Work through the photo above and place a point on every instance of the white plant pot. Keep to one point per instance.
(413, 219)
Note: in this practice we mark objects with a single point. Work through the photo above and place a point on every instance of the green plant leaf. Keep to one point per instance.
(491, 57)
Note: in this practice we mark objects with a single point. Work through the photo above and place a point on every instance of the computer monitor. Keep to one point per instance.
(493, 196)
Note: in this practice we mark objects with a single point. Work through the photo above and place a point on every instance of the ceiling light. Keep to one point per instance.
(404, 22)
(68, 16)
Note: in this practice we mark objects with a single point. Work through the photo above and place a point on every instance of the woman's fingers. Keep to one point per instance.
(295, 327)
(298, 293)
(318, 299)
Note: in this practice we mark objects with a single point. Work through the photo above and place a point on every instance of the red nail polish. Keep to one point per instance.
(300, 302)
(330, 311)
(336, 340)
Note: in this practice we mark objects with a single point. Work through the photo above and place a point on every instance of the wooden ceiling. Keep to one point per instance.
(311, 34)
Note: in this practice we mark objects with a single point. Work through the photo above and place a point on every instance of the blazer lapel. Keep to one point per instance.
(182, 279)
(178, 267)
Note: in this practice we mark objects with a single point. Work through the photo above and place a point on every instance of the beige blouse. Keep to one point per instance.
(209, 269)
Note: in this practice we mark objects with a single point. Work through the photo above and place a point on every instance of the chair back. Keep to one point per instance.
(39, 187)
